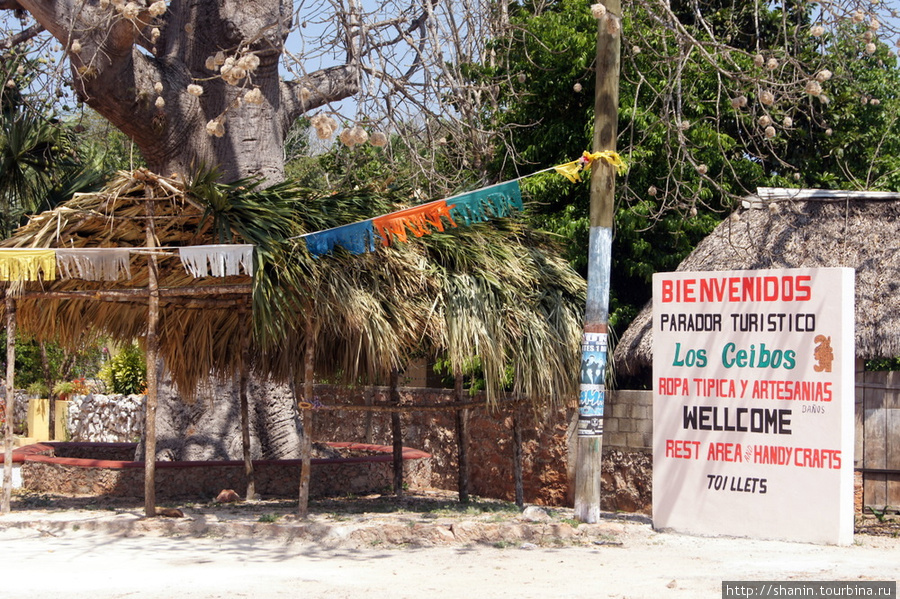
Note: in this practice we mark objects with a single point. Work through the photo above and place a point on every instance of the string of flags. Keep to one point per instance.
(111, 264)
(494, 201)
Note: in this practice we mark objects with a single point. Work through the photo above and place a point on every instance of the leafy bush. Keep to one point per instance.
(126, 372)
(63, 388)
(37, 389)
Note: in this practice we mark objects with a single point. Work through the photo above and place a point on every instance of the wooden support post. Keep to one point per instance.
(596, 318)
(517, 457)
(462, 439)
(152, 374)
(51, 397)
(396, 434)
(10, 410)
(245, 404)
(369, 401)
(309, 372)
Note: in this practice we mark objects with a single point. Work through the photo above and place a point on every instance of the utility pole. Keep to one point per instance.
(594, 348)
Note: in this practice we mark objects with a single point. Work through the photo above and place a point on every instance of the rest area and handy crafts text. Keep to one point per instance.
(753, 403)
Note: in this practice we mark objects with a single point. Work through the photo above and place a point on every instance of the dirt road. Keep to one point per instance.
(62, 556)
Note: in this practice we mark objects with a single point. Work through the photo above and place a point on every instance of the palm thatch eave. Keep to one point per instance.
(498, 291)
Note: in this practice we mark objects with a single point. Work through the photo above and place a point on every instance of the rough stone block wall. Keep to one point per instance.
(20, 410)
(544, 438)
(547, 438)
(105, 418)
(628, 424)
(204, 480)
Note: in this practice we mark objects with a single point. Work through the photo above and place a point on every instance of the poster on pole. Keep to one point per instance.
(592, 389)
(753, 399)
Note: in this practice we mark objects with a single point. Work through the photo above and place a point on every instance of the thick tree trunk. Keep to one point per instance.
(209, 426)
(138, 80)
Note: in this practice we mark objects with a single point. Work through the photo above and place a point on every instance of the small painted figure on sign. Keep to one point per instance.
(823, 354)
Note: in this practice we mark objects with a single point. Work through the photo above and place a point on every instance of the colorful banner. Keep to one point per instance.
(27, 265)
(110, 264)
(418, 219)
(496, 201)
(356, 238)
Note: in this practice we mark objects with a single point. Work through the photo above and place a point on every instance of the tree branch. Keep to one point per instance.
(22, 36)
(316, 89)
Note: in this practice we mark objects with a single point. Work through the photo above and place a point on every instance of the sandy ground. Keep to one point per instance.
(257, 551)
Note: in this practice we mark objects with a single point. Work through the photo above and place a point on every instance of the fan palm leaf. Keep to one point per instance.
(496, 291)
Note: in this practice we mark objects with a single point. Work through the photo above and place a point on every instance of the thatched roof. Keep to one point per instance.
(791, 228)
(498, 291)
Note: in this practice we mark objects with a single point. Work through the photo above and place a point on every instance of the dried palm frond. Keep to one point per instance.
(497, 291)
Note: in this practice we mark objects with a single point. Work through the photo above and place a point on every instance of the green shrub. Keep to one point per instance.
(63, 388)
(126, 372)
(38, 389)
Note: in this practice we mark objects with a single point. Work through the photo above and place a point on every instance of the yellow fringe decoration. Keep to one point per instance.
(25, 265)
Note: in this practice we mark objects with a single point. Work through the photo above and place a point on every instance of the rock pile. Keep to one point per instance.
(20, 418)
(105, 418)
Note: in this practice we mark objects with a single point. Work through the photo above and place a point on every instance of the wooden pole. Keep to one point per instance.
(517, 457)
(245, 404)
(592, 394)
(152, 359)
(10, 409)
(396, 434)
(138, 295)
(369, 400)
(309, 372)
(462, 439)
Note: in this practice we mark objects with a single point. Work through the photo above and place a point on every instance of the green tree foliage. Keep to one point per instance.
(126, 371)
(35, 365)
(42, 159)
(716, 99)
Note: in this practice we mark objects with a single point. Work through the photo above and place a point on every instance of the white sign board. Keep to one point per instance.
(753, 375)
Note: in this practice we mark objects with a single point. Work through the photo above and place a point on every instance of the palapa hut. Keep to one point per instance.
(496, 291)
(791, 228)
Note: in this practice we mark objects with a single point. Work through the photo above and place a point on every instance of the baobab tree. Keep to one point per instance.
(192, 82)
(200, 83)
(215, 82)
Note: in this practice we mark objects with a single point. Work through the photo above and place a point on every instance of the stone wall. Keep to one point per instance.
(20, 410)
(105, 418)
(52, 471)
(547, 438)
